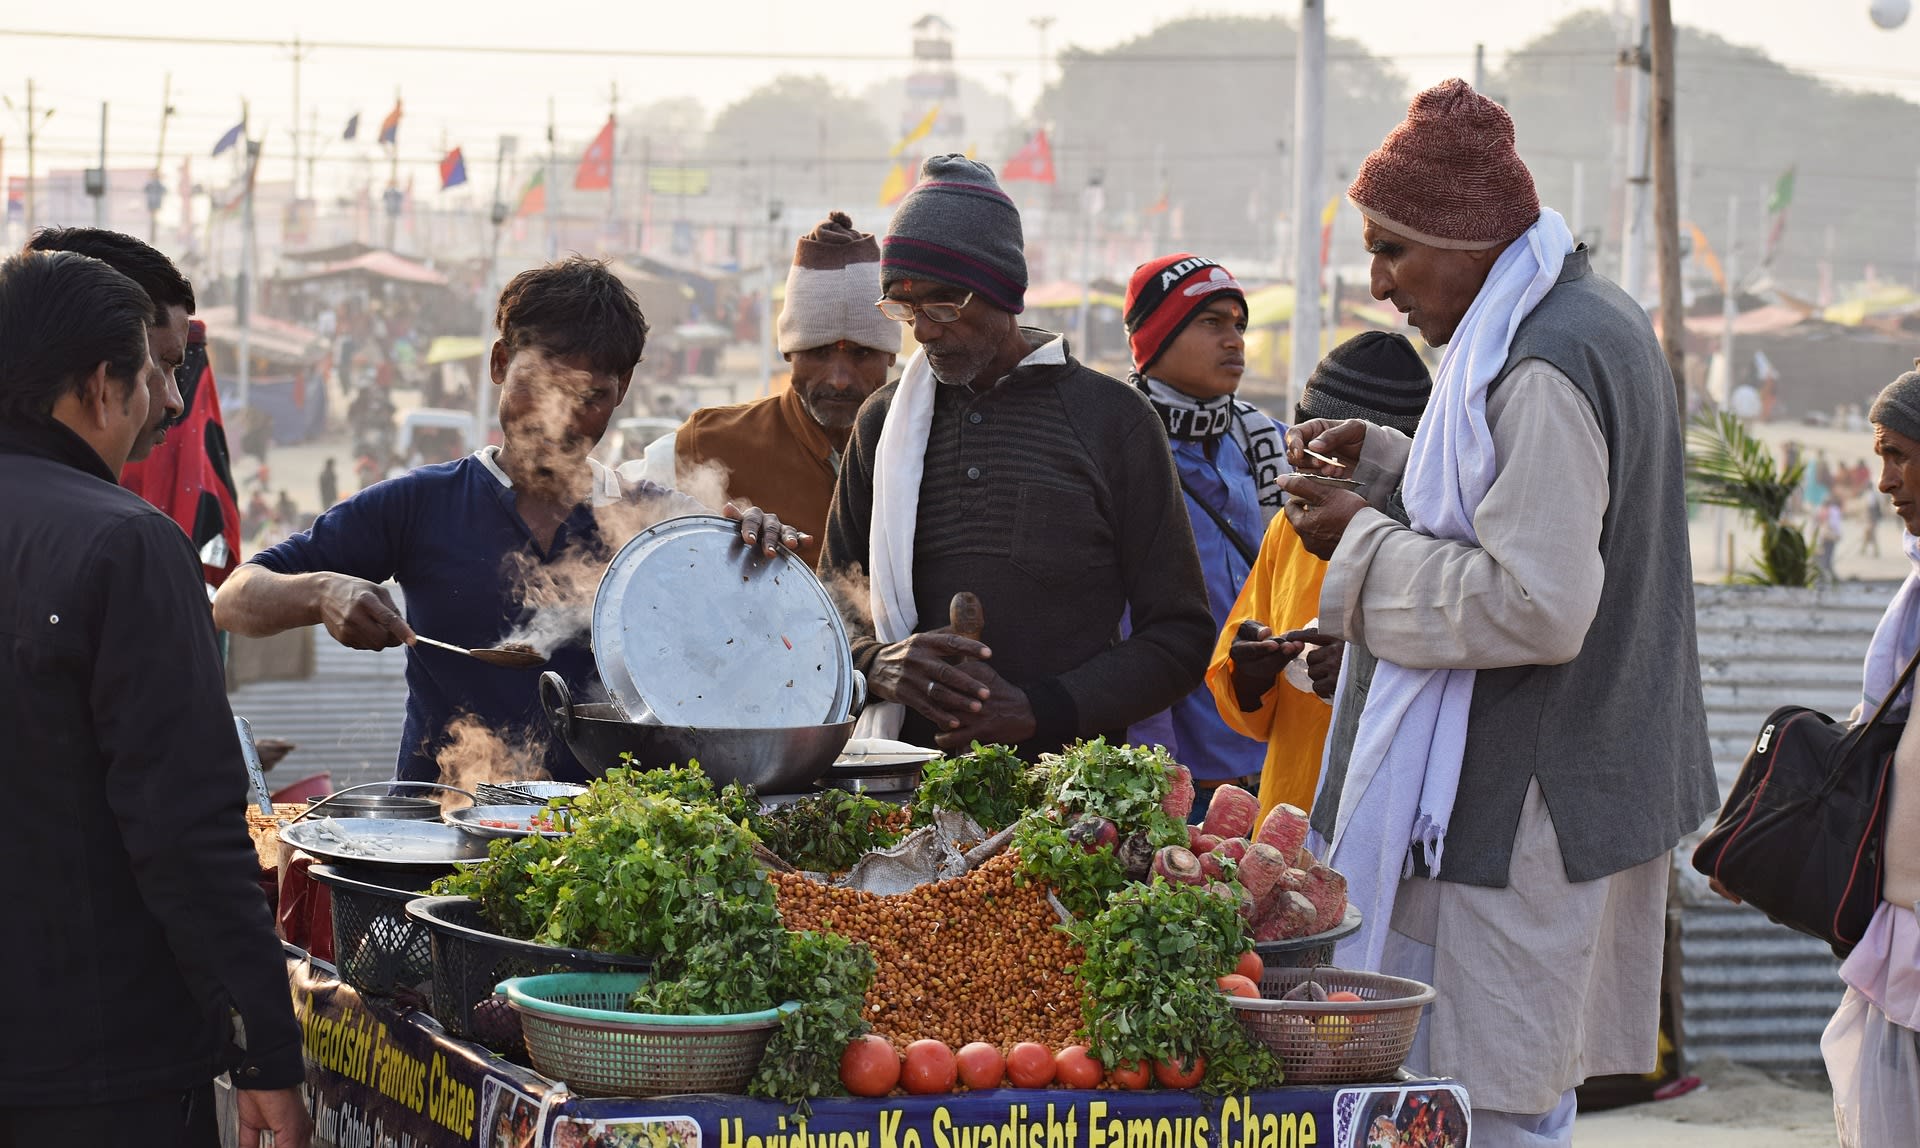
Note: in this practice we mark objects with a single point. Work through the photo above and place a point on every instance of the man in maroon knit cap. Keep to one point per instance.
(1533, 743)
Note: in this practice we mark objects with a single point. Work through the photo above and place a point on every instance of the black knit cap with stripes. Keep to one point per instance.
(1377, 376)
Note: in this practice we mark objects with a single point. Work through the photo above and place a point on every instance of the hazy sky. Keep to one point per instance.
(470, 99)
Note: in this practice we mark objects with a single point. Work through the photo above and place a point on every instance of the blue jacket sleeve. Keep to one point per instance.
(360, 537)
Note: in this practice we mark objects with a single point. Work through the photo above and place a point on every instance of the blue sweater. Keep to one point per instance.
(1192, 730)
(450, 536)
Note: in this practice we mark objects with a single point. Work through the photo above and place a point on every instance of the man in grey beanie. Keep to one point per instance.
(783, 452)
(1001, 467)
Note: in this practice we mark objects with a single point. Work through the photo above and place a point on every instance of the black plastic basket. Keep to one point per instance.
(468, 962)
(377, 947)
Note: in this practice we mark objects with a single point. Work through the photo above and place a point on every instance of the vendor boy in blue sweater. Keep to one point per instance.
(505, 544)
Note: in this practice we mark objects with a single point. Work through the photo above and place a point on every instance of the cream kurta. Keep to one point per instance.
(1544, 982)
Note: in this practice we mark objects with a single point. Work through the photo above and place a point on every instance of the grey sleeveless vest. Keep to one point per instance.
(1618, 736)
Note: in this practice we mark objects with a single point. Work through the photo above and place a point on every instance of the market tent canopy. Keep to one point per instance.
(334, 254)
(269, 337)
(1270, 306)
(1768, 320)
(1063, 293)
(375, 265)
(1882, 301)
(454, 348)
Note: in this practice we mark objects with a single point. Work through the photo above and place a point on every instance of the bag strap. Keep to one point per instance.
(1248, 552)
(1886, 703)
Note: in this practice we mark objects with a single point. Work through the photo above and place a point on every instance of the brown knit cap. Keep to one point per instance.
(1447, 175)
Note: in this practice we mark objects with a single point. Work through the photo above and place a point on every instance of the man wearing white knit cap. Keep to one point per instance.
(783, 452)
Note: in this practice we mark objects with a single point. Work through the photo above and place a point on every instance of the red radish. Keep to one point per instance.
(1327, 890)
(1208, 843)
(1290, 916)
(1260, 871)
(1292, 881)
(1193, 838)
(1305, 859)
(1090, 833)
(1233, 847)
(1242, 900)
(1178, 864)
(1179, 799)
(1231, 813)
(1285, 828)
(1210, 865)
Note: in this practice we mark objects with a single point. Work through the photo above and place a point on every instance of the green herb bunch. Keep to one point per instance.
(633, 877)
(1124, 784)
(1149, 986)
(988, 784)
(827, 831)
(689, 783)
(829, 975)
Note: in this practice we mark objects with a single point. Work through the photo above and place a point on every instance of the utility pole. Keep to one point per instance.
(498, 215)
(298, 55)
(243, 302)
(391, 198)
(1666, 197)
(96, 183)
(552, 183)
(156, 189)
(1633, 249)
(1577, 214)
(1480, 68)
(1729, 308)
(1040, 26)
(35, 116)
(613, 155)
(1309, 115)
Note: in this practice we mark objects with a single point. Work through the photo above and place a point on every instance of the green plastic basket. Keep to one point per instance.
(578, 1030)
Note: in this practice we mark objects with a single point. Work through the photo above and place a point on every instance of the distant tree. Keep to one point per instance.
(1202, 108)
(1742, 119)
(804, 141)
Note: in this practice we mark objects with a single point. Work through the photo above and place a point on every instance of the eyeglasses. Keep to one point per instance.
(902, 311)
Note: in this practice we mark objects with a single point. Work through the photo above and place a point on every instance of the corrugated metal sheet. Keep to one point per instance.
(1752, 991)
(345, 719)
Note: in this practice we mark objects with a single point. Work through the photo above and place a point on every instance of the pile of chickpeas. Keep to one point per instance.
(976, 957)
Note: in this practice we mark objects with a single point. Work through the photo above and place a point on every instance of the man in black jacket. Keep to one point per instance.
(140, 952)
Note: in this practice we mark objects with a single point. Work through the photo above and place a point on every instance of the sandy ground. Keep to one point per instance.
(1736, 1107)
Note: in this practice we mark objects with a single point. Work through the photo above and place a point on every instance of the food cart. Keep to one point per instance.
(436, 1023)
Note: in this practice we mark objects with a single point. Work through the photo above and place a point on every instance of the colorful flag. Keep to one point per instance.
(595, 172)
(1327, 215)
(353, 127)
(1033, 162)
(390, 127)
(1703, 251)
(899, 182)
(533, 197)
(1782, 197)
(231, 137)
(1161, 205)
(453, 169)
(918, 132)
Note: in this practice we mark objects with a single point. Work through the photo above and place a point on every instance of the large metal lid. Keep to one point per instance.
(691, 628)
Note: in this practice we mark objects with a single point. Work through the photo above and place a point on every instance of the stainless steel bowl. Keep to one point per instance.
(474, 818)
(771, 760)
(385, 807)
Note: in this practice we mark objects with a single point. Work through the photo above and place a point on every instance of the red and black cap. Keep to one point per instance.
(1163, 296)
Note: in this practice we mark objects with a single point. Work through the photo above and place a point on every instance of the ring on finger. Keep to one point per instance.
(930, 686)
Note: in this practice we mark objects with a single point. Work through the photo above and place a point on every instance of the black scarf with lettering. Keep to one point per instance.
(1203, 420)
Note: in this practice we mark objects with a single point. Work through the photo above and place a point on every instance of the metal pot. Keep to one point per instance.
(780, 760)
(383, 806)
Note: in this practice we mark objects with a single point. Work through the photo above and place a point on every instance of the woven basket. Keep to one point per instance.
(378, 948)
(468, 961)
(578, 1030)
(1351, 1042)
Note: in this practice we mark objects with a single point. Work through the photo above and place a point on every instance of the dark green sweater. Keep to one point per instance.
(1053, 497)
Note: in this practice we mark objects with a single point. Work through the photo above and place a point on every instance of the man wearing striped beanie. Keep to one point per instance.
(783, 452)
(999, 466)
(1534, 625)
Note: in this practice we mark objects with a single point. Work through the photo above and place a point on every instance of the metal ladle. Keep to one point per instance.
(506, 657)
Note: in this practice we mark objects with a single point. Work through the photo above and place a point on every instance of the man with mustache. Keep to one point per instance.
(465, 539)
(1186, 320)
(1534, 742)
(1000, 466)
(783, 452)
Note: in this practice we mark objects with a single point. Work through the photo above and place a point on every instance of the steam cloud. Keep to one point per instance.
(474, 754)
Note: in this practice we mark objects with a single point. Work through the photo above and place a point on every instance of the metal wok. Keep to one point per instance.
(788, 760)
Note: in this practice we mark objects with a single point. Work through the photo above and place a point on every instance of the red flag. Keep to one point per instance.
(1033, 162)
(596, 167)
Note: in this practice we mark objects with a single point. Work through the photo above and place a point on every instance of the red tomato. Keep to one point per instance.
(1074, 1068)
(1171, 1075)
(1133, 1076)
(870, 1066)
(1251, 966)
(929, 1068)
(1344, 996)
(1233, 984)
(981, 1065)
(1030, 1065)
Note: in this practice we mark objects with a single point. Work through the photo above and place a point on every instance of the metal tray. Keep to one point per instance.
(691, 628)
(469, 820)
(361, 841)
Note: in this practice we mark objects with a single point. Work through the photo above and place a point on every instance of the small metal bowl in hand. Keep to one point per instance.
(491, 821)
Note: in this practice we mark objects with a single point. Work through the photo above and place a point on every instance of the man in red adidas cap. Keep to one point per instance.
(1186, 320)
(1533, 741)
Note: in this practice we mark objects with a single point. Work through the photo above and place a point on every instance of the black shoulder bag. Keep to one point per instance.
(1247, 550)
(1800, 835)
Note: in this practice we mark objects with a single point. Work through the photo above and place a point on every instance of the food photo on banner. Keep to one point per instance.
(509, 1118)
(1422, 1116)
